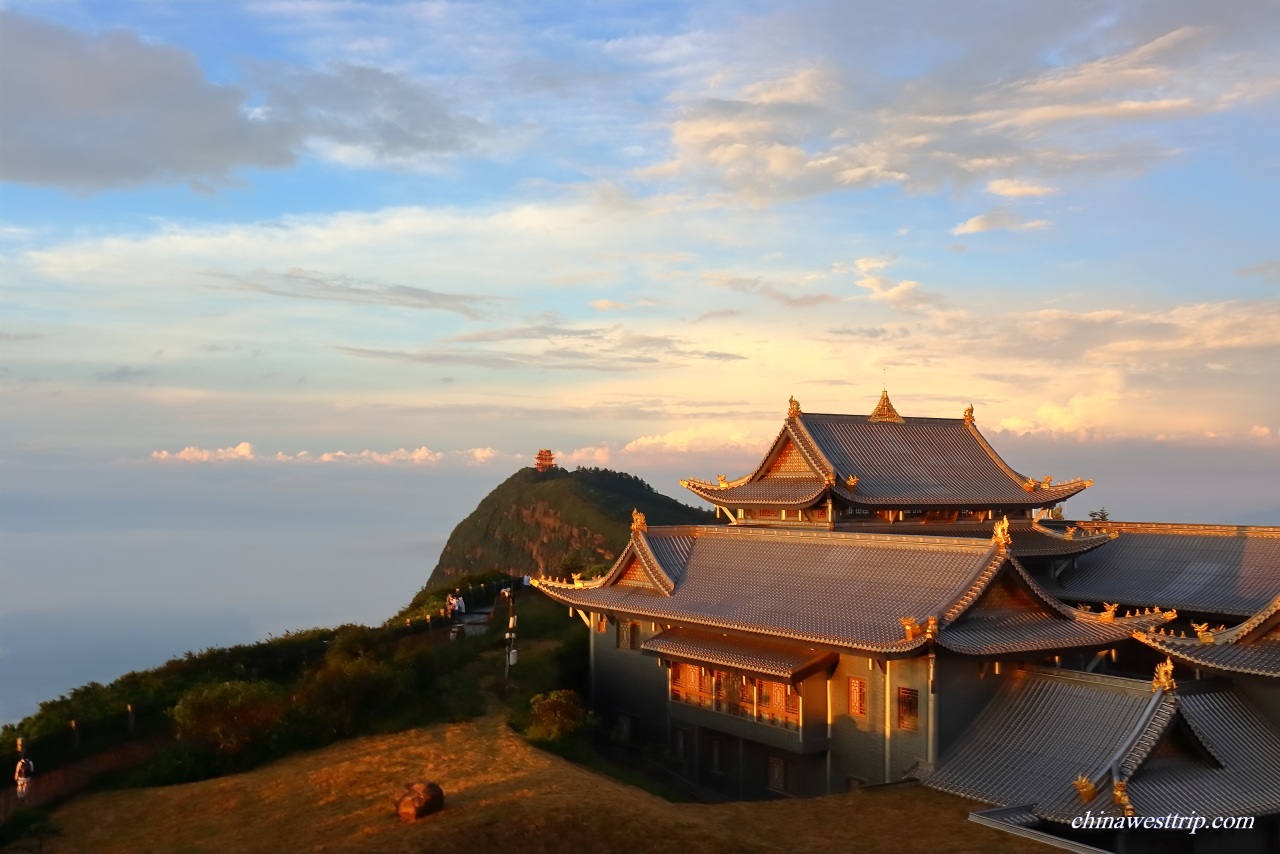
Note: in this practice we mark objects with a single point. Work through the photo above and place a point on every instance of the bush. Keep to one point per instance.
(555, 715)
(345, 695)
(232, 717)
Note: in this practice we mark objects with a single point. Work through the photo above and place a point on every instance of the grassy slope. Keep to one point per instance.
(501, 795)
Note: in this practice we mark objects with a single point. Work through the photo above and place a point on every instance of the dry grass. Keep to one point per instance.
(501, 795)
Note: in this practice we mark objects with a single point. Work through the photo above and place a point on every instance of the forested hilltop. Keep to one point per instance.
(556, 521)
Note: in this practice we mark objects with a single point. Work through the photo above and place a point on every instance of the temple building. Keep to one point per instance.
(890, 600)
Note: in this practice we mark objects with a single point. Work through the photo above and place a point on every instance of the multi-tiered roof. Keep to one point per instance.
(883, 461)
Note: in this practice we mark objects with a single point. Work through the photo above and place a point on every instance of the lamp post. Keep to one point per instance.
(511, 653)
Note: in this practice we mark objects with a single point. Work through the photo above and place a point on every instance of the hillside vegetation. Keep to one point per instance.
(556, 521)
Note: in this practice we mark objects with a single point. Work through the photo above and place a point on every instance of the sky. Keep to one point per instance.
(287, 286)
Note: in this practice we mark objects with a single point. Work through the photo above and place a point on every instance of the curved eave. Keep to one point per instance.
(1049, 494)
(994, 636)
(804, 492)
(1038, 498)
(1252, 659)
(581, 599)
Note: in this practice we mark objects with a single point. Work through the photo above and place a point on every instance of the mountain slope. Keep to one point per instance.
(556, 521)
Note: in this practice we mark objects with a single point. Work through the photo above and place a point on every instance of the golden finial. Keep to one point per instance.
(884, 412)
(931, 628)
(1085, 788)
(1203, 633)
(910, 626)
(1171, 614)
(1163, 680)
(1120, 793)
(1030, 485)
(721, 480)
(1108, 614)
(851, 481)
(638, 524)
(1000, 533)
(968, 414)
(1071, 533)
(793, 407)
(830, 479)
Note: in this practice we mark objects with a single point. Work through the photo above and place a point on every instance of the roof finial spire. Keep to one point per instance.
(884, 411)
(793, 407)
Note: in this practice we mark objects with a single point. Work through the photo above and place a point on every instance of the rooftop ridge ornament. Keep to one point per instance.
(1085, 788)
(638, 524)
(884, 412)
(1163, 680)
(1000, 533)
(968, 414)
(793, 407)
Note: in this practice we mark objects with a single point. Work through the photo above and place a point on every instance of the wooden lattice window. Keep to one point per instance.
(777, 774)
(908, 708)
(857, 696)
(628, 635)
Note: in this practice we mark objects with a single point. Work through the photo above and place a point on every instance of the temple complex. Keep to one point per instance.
(889, 600)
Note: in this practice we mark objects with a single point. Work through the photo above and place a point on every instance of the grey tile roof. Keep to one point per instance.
(1030, 540)
(996, 634)
(1038, 733)
(775, 659)
(922, 461)
(1259, 657)
(1205, 568)
(1043, 728)
(789, 491)
(767, 581)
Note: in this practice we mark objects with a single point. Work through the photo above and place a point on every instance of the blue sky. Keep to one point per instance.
(243, 244)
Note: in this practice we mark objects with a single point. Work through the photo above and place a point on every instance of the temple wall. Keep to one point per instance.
(908, 747)
(964, 689)
(628, 682)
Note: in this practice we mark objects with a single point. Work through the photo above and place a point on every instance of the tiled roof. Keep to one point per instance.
(1044, 728)
(774, 491)
(1038, 733)
(1030, 540)
(923, 462)
(1261, 658)
(898, 462)
(832, 588)
(997, 634)
(779, 660)
(1204, 568)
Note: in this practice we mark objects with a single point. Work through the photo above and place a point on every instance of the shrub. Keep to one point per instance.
(555, 715)
(345, 695)
(230, 716)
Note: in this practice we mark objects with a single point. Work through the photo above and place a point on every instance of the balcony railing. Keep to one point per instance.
(759, 700)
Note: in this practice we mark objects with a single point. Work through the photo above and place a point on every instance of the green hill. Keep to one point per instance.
(555, 521)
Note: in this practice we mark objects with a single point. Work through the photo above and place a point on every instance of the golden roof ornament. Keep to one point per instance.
(851, 482)
(1203, 633)
(968, 414)
(1085, 788)
(1163, 680)
(1108, 614)
(638, 524)
(884, 412)
(793, 407)
(1000, 533)
(721, 479)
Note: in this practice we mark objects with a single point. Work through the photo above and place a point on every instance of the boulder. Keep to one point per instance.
(419, 800)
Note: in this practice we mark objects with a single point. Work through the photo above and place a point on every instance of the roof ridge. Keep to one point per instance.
(652, 567)
(1267, 531)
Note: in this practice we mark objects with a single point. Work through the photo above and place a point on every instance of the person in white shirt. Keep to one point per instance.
(22, 776)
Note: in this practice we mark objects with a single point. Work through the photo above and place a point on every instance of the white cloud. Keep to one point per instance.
(194, 454)
(1000, 218)
(1015, 189)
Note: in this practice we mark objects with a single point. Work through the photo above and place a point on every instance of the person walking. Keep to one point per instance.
(22, 776)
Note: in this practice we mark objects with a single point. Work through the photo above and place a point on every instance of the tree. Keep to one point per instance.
(229, 716)
(1100, 515)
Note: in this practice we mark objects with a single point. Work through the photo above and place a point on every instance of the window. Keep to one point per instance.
(857, 696)
(908, 708)
(628, 635)
(716, 759)
(777, 774)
